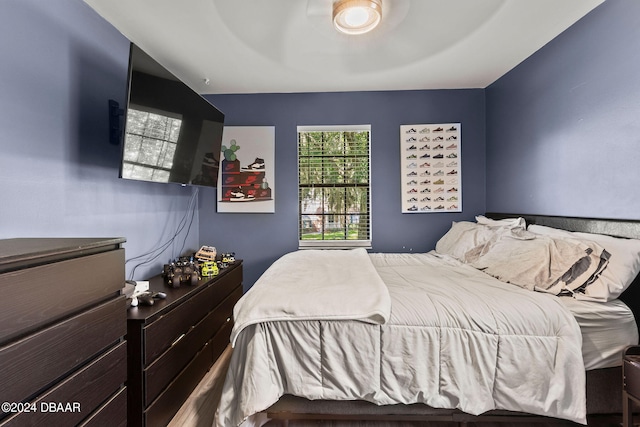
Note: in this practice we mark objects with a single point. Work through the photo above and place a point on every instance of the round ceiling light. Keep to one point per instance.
(356, 16)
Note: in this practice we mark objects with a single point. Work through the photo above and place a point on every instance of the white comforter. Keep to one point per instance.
(455, 338)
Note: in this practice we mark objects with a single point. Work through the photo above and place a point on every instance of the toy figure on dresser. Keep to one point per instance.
(209, 268)
(185, 269)
(206, 253)
(206, 256)
(227, 258)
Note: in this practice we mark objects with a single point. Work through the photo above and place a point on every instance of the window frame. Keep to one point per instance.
(342, 243)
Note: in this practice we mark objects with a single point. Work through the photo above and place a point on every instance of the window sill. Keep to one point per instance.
(334, 244)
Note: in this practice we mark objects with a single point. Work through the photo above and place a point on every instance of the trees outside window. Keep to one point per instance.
(334, 186)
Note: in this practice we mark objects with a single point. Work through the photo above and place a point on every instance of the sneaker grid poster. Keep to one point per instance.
(247, 170)
(430, 168)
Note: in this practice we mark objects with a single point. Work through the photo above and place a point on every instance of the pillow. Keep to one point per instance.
(538, 264)
(462, 237)
(516, 226)
(623, 266)
(585, 271)
(507, 222)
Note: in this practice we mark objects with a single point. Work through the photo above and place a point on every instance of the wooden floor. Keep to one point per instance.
(200, 408)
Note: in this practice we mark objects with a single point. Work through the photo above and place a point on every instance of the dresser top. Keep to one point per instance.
(176, 296)
(25, 252)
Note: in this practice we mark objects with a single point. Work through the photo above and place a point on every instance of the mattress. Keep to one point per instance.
(454, 338)
(607, 329)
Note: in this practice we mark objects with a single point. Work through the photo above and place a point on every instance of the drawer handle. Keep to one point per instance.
(177, 339)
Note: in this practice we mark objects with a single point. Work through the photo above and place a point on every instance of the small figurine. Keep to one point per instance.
(185, 269)
(229, 258)
(206, 253)
(209, 268)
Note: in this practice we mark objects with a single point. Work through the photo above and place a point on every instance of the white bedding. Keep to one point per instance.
(607, 329)
(455, 338)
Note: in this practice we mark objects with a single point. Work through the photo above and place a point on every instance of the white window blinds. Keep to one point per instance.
(334, 193)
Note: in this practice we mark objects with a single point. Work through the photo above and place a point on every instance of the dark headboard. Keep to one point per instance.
(612, 227)
(629, 229)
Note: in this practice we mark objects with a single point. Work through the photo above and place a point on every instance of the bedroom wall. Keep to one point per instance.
(563, 128)
(61, 63)
(261, 238)
(59, 173)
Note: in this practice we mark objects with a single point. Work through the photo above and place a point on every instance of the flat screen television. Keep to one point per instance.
(171, 133)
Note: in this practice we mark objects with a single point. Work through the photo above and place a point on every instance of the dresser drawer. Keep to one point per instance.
(36, 361)
(169, 402)
(161, 333)
(227, 284)
(35, 296)
(113, 413)
(221, 340)
(85, 391)
(162, 371)
(170, 363)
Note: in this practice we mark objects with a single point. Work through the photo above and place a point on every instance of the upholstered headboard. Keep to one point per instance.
(629, 229)
(612, 227)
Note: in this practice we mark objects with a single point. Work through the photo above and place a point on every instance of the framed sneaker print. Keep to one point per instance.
(247, 170)
(430, 168)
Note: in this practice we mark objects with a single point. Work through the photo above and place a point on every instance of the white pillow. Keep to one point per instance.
(623, 267)
(506, 222)
(538, 264)
(462, 237)
(516, 226)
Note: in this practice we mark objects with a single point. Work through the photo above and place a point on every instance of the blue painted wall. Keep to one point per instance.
(60, 64)
(262, 238)
(563, 128)
(562, 137)
(59, 173)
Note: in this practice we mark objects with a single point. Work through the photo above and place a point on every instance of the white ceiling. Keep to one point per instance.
(269, 46)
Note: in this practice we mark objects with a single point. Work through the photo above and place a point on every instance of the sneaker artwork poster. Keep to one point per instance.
(247, 170)
(430, 168)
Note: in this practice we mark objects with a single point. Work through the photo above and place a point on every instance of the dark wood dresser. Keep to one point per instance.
(62, 329)
(173, 343)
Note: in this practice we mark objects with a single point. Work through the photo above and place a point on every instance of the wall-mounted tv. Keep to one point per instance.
(171, 133)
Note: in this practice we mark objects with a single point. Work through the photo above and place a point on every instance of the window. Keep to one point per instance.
(333, 186)
(150, 145)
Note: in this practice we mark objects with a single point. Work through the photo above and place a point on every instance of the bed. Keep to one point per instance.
(439, 336)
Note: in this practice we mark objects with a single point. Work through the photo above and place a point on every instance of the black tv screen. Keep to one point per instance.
(172, 134)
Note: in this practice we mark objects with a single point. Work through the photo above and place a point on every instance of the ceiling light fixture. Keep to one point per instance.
(356, 16)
